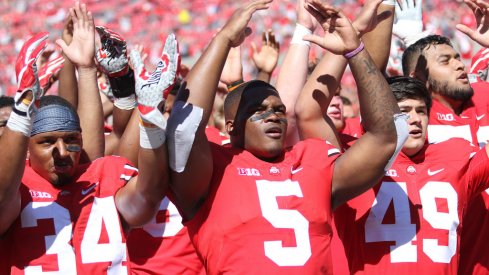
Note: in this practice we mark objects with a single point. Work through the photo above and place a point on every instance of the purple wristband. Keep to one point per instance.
(355, 51)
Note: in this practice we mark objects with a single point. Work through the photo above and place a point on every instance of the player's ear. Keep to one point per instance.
(230, 127)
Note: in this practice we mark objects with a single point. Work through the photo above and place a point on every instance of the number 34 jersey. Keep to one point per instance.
(410, 222)
(74, 229)
(267, 218)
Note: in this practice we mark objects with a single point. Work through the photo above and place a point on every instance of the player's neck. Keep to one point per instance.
(456, 106)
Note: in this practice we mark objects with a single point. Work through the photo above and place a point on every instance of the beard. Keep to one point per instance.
(450, 91)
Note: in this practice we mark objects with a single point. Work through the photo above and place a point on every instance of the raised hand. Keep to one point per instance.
(409, 21)
(112, 55)
(368, 19)
(340, 37)
(81, 49)
(266, 58)
(236, 30)
(152, 88)
(481, 12)
(49, 71)
(304, 18)
(28, 89)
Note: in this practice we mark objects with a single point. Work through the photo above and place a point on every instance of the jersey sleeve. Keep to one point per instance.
(478, 173)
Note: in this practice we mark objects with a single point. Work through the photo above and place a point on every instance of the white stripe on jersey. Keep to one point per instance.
(129, 167)
(333, 151)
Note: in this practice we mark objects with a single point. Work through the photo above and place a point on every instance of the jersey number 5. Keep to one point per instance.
(268, 191)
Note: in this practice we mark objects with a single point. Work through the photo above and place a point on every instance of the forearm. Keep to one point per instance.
(315, 98)
(128, 146)
(204, 76)
(378, 41)
(68, 86)
(140, 199)
(91, 113)
(377, 102)
(12, 165)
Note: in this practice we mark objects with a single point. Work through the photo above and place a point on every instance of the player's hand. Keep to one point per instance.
(409, 21)
(236, 29)
(81, 49)
(304, 18)
(48, 73)
(28, 89)
(368, 19)
(67, 34)
(340, 37)
(112, 55)
(152, 88)
(481, 12)
(266, 58)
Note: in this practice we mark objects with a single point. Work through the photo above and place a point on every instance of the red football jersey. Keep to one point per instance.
(472, 125)
(72, 229)
(353, 127)
(267, 218)
(410, 222)
(163, 246)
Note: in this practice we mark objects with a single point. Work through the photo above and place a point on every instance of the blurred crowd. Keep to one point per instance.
(193, 21)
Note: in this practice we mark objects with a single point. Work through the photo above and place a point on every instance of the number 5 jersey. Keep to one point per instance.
(267, 218)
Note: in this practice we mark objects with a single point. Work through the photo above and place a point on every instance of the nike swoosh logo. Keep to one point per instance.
(292, 171)
(480, 117)
(89, 189)
(432, 173)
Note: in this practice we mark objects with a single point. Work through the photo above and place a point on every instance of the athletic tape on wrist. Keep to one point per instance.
(126, 103)
(19, 123)
(299, 32)
(402, 130)
(151, 138)
(355, 51)
(182, 125)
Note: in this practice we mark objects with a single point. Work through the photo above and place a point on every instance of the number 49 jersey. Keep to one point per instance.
(74, 229)
(267, 218)
(410, 222)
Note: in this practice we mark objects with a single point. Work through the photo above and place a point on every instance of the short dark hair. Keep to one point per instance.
(405, 87)
(411, 56)
(6, 101)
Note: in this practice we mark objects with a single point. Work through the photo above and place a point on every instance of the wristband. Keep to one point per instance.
(389, 2)
(123, 86)
(19, 123)
(299, 32)
(126, 103)
(355, 51)
(151, 138)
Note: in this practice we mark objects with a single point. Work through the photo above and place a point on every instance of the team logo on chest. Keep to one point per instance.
(251, 172)
(274, 170)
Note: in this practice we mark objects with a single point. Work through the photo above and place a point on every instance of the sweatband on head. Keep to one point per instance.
(55, 118)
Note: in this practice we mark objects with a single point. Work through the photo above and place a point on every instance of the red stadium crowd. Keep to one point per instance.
(244, 137)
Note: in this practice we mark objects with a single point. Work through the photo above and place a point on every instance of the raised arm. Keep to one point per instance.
(365, 162)
(293, 72)
(15, 137)
(378, 41)
(139, 200)
(68, 84)
(312, 104)
(188, 145)
(81, 53)
(113, 62)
